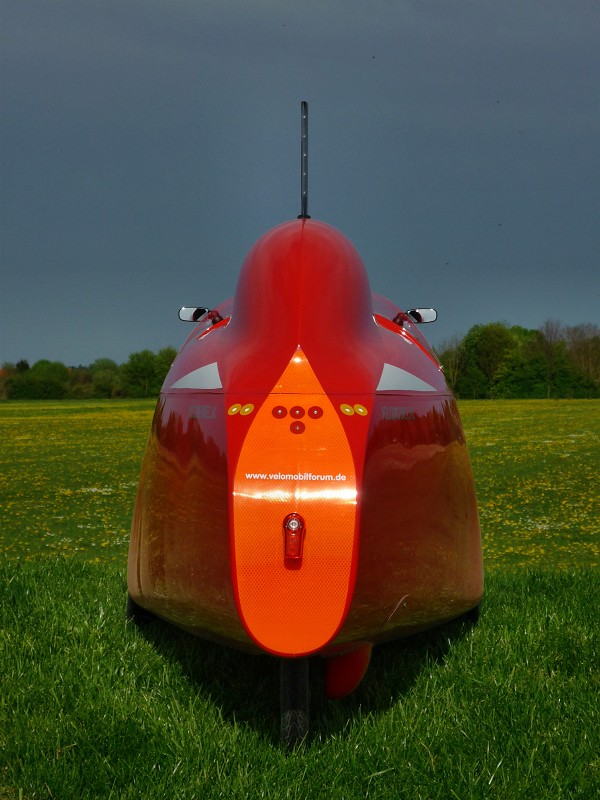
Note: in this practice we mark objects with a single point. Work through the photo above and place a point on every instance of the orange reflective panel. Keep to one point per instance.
(295, 459)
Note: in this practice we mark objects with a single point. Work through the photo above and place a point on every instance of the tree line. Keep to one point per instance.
(498, 361)
(141, 375)
(490, 361)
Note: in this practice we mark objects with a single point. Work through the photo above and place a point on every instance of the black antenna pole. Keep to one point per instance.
(304, 161)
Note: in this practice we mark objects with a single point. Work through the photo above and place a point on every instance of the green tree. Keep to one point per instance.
(101, 364)
(497, 361)
(541, 367)
(583, 347)
(140, 375)
(164, 360)
(106, 378)
(7, 370)
(451, 356)
(52, 370)
(520, 376)
(45, 380)
(81, 385)
(482, 351)
(550, 346)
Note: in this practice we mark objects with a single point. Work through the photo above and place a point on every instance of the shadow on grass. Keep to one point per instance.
(245, 688)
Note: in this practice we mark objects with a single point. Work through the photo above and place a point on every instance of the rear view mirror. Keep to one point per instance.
(422, 314)
(192, 314)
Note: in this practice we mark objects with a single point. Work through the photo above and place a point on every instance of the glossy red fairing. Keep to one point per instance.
(305, 403)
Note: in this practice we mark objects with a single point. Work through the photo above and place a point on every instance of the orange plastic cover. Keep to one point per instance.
(295, 458)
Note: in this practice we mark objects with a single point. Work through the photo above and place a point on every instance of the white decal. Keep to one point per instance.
(203, 378)
(397, 379)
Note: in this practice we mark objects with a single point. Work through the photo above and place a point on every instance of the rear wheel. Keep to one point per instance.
(472, 616)
(295, 700)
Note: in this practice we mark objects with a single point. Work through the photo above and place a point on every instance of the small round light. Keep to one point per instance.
(297, 412)
(360, 410)
(279, 412)
(233, 409)
(247, 409)
(346, 409)
(293, 524)
(315, 412)
(297, 427)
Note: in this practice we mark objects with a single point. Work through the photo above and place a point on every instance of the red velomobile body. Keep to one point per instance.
(306, 486)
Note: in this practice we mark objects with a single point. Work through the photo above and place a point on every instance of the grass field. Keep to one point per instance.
(92, 707)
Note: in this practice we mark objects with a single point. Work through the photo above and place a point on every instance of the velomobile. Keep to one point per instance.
(306, 488)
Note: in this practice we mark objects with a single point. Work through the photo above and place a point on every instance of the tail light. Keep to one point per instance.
(293, 538)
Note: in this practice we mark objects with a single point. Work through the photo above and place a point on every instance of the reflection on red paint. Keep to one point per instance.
(380, 477)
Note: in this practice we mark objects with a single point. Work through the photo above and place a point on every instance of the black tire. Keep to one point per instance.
(138, 614)
(295, 700)
(472, 616)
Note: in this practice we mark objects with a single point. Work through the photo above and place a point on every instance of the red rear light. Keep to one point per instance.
(293, 538)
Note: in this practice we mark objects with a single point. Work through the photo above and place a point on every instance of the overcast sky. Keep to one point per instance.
(146, 144)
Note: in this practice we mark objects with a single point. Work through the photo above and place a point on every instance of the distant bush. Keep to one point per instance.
(144, 372)
(142, 375)
(32, 387)
(46, 380)
(497, 361)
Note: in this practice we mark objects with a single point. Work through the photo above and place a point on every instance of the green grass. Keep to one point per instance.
(92, 707)
(536, 465)
(68, 476)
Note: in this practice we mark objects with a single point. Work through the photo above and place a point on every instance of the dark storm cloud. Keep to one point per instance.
(146, 145)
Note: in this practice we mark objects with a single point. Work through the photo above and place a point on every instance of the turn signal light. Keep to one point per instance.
(293, 538)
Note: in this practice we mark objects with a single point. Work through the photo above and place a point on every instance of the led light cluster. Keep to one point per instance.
(296, 413)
